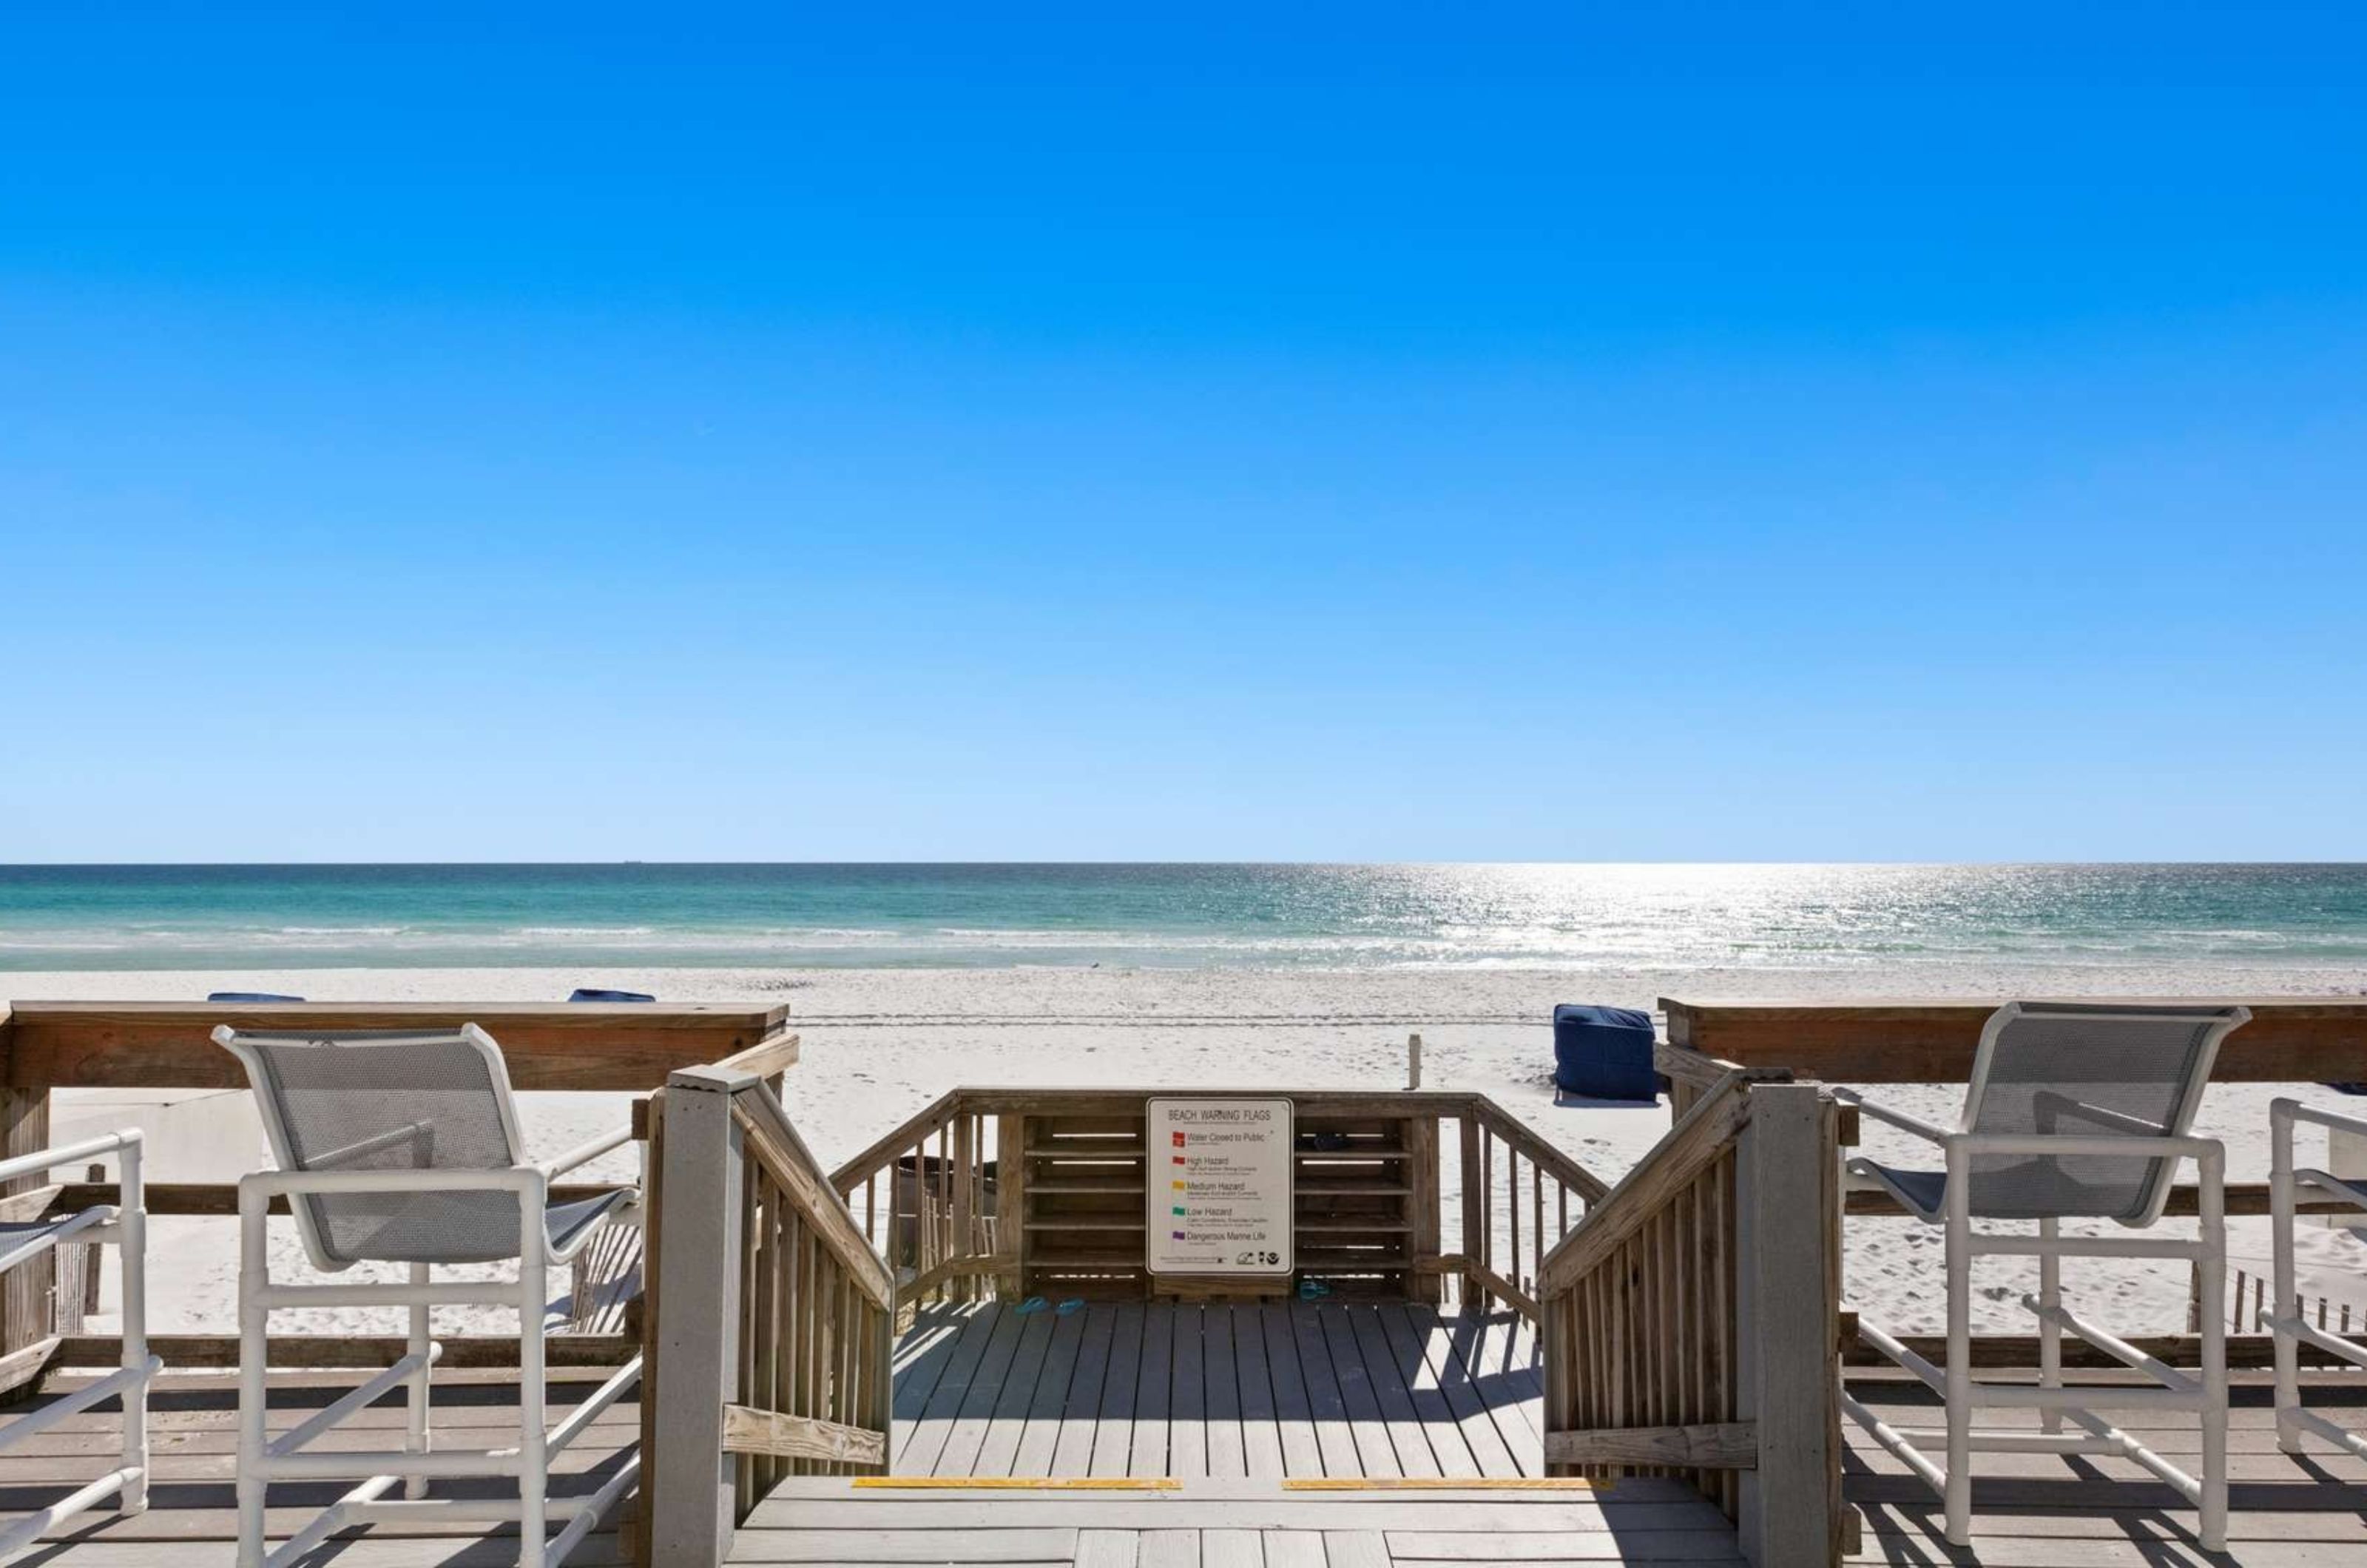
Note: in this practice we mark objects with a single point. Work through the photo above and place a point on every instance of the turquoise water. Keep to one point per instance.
(1575, 917)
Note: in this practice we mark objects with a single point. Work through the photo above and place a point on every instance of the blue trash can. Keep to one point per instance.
(1604, 1052)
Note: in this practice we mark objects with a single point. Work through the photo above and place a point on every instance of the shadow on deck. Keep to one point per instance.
(191, 1520)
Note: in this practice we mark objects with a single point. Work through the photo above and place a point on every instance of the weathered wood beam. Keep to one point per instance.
(1726, 1445)
(578, 1045)
(747, 1431)
(2289, 1040)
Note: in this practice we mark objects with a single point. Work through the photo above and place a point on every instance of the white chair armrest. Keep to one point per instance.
(2285, 1111)
(41, 1160)
(1898, 1119)
(584, 1154)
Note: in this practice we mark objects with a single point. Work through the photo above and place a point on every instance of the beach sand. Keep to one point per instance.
(880, 1043)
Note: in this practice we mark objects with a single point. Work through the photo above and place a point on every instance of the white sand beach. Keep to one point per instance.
(879, 1044)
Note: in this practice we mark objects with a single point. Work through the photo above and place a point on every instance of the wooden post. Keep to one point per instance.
(1787, 1371)
(687, 1479)
(1421, 1166)
(1475, 1212)
(26, 1290)
(1011, 1205)
(964, 1288)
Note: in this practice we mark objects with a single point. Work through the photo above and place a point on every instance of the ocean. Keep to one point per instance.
(1340, 916)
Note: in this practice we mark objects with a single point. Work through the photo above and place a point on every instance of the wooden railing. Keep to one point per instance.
(1041, 1191)
(925, 1198)
(770, 1323)
(44, 1046)
(1691, 1317)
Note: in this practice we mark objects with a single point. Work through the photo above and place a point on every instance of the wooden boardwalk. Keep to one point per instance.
(1232, 1410)
(1244, 1432)
(1116, 1389)
(1237, 1524)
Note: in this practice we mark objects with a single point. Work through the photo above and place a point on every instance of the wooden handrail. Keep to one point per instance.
(954, 1195)
(1525, 1140)
(897, 1143)
(792, 1165)
(1698, 1138)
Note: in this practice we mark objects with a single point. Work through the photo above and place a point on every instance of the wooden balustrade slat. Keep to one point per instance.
(1696, 1139)
(787, 1162)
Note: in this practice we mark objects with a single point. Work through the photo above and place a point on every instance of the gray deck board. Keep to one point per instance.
(1262, 1435)
(1073, 1452)
(1325, 1402)
(1047, 1403)
(1153, 1388)
(1302, 1455)
(998, 1447)
(1114, 1430)
(1377, 1454)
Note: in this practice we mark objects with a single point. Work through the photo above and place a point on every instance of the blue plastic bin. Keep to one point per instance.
(1604, 1052)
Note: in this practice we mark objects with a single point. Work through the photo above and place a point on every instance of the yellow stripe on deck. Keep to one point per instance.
(1437, 1484)
(1018, 1482)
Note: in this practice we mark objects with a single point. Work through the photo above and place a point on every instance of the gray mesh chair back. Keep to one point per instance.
(390, 1101)
(2080, 1070)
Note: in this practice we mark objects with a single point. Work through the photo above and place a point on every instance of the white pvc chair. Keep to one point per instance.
(2291, 1332)
(2075, 1111)
(398, 1147)
(123, 1226)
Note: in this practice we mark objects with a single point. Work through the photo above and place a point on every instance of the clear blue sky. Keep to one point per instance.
(1472, 432)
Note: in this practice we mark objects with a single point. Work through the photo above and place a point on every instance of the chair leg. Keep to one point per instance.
(1959, 1495)
(2212, 1194)
(254, 1349)
(2050, 1332)
(132, 1226)
(416, 1438)
(534, 1471)
(2281, 1241)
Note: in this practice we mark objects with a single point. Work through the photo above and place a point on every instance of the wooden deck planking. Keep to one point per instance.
(1226, 1453)
(1153, 1385)
(1072, 1451)
(999, 1449)
(1294, 1412)
(1217, 1523)
(1262, 1435)
(1188, 1395)
(1230, 1391)
(192, 1519)
(1303, 1336)
(1113, 1447)
(1426, 1346)
(1393, 1387)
